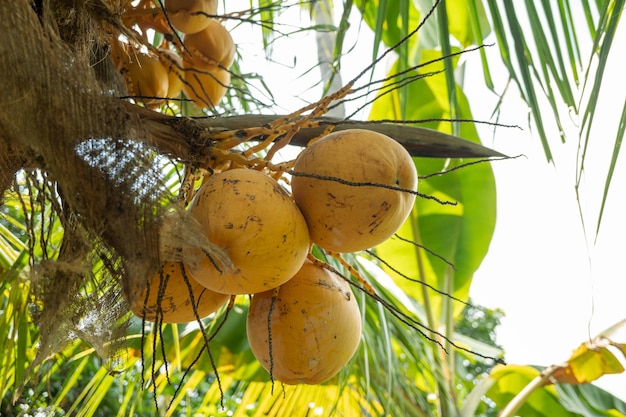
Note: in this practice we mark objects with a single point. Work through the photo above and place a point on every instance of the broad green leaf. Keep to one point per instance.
(590, 401)
(233, 334)
(507, 381)
(459, 232)
(391, 21)
(453, 22)
(388, 20)
(467, 22)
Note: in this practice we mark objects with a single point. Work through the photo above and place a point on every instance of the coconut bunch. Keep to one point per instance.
(194, 57)
(350, 191)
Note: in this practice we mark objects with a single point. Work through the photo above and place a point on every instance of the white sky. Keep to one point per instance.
(555, 289)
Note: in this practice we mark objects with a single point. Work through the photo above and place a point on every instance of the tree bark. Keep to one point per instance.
(53, 103)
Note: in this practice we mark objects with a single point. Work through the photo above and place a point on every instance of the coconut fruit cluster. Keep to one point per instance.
(199, 66)
(350, 190)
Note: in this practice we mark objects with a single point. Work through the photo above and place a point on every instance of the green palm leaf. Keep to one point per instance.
(541, 45)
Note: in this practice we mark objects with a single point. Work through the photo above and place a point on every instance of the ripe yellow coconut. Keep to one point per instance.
(190, 16)
(349, 218)
(207, 78)
(257, 223)
(146, 77)
(314, 326)
(211, 46)
(206, 87)
(173, 64)
(170, 299)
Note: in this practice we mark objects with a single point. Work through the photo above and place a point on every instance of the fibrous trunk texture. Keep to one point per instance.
(60, 116)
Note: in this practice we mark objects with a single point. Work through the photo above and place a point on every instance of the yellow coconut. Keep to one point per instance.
(171, 298)
(308, 330)
(330, 186)
(206, 87)
(211, 53)
(259, 226)
(190, 16)
(211, 46)
(146, 77)
(173, 64)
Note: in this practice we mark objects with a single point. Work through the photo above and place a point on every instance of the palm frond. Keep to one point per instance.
(621, 130)
(555, 61)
